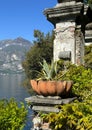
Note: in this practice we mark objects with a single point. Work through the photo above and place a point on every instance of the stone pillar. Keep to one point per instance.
(63, 17)
(79, 46)
(64, 40)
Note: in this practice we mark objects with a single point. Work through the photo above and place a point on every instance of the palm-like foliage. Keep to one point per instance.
(48, 72)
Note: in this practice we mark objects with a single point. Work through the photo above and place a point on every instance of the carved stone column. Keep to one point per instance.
(63, 16)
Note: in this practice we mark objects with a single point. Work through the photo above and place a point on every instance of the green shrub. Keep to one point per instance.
(74, 116)
(88, 55)
(82, 78)
(12, 116)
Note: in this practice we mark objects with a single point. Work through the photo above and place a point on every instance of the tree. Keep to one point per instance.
(42, 49)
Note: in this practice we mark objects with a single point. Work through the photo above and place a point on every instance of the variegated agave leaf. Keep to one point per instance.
(53, 69)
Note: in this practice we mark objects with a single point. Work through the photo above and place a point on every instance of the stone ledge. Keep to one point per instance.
(45, 109)
(65, 12)
(47, 104)
(49, 101)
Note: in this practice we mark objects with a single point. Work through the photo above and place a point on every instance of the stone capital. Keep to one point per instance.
(63, 12)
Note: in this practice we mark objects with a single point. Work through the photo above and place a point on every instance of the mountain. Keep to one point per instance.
(12, 53)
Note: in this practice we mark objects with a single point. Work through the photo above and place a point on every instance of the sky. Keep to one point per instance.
(19, 18)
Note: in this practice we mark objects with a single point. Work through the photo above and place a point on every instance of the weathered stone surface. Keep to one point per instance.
(63, 16)
(45, 109)
(49, 97)
(45, 126)
(65, 55)
(47, 104)
(64, 40)
(63, 12)
(66, 16)
(88, 34)
(37, 100)
(38, 124)
(79, 45)
(49, 101)
(89, 26)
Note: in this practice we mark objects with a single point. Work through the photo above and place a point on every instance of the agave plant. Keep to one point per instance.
(48, 72)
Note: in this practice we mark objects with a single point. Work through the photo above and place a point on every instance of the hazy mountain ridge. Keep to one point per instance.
(12, 53)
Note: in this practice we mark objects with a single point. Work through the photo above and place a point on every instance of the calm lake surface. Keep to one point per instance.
(11, 86)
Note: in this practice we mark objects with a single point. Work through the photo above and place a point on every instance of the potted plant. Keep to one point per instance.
(48, 83)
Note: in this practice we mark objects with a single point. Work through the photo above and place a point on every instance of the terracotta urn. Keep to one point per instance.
(51, 88)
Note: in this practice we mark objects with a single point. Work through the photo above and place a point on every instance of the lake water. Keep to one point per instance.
(11, 86)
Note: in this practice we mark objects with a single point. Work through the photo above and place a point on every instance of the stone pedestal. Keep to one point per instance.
(47, 104)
